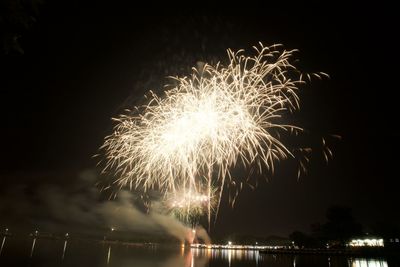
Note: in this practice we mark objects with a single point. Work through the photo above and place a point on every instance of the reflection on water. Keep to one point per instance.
(64, 248)
(46, 253)
(108, 254)
(369, 263)
(2, 244)
(33, 246)
(227, 254)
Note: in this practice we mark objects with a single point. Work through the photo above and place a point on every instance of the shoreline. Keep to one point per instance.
(345, 252)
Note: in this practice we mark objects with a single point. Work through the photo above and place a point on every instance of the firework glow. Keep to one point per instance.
(188, 205)
(185, 143)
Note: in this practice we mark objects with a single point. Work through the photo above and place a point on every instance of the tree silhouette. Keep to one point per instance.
(340, 225)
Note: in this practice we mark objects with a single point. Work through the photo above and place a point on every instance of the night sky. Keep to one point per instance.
(74, 67)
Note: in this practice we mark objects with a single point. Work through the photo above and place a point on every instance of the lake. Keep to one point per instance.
(46, 252)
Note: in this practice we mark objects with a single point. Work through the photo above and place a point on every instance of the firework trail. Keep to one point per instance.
(185, 142)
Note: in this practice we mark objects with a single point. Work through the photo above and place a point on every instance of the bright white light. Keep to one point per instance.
(366, 243)
(369, 263)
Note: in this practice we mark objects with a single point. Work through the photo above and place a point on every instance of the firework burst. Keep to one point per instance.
(189, 206)
(191, 137)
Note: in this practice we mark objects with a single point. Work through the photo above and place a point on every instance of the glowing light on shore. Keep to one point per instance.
(368, 242)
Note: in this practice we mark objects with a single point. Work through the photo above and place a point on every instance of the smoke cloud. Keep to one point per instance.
(76, 203)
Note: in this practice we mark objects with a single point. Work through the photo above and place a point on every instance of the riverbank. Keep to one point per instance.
(344, 251)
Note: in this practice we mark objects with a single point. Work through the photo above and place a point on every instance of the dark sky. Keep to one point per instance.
(74, 67)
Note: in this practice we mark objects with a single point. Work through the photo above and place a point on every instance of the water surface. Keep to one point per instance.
(76, 253)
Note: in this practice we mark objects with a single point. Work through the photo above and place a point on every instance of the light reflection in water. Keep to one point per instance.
(229, 255)
(64, 248)
(198, 257)
(33, 246)
(109, 254)
(47, 253)
(189, 259)
(2, 244)
(369, 263)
